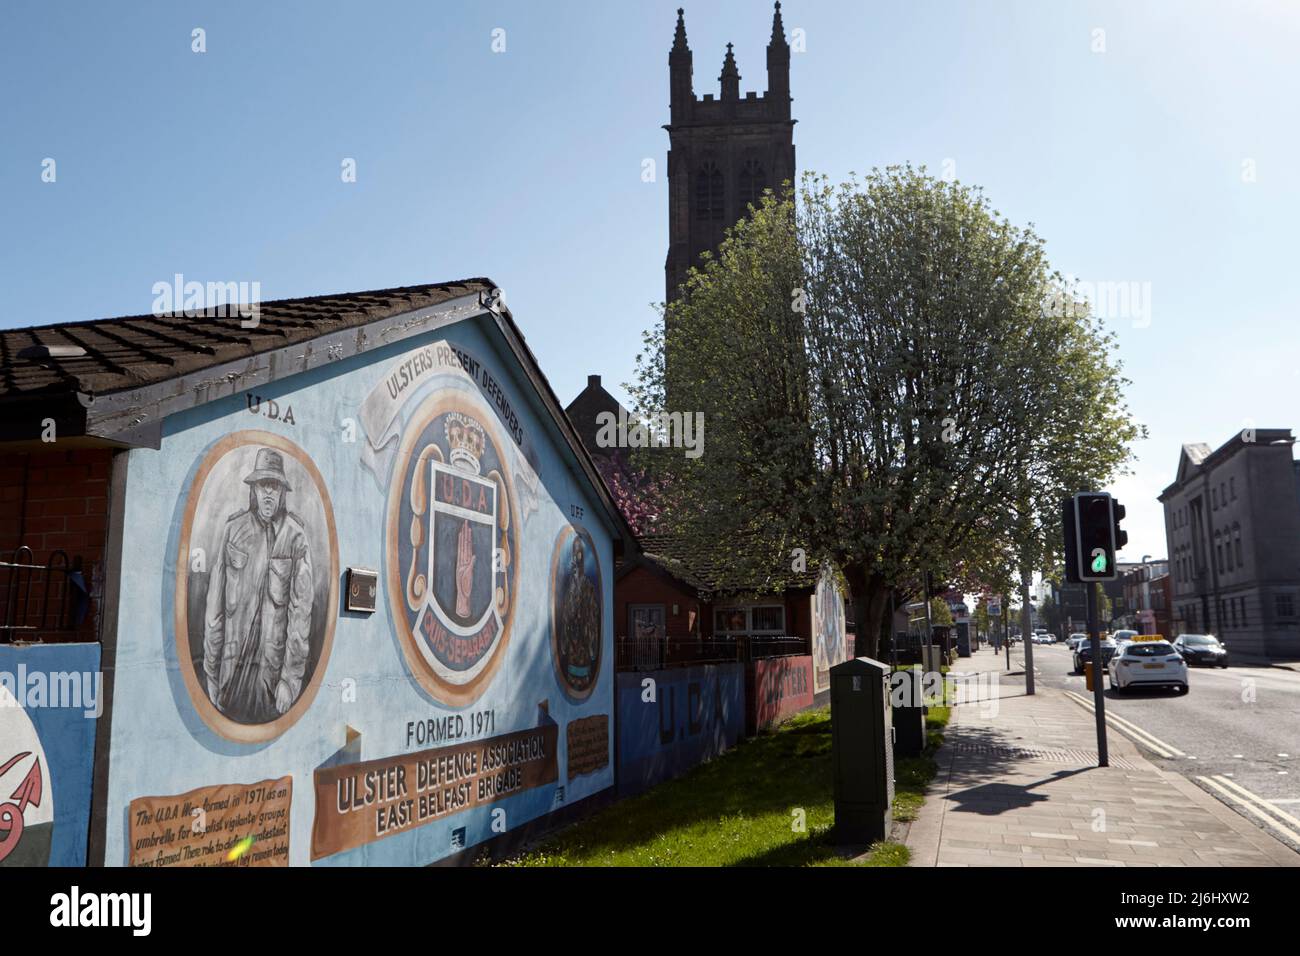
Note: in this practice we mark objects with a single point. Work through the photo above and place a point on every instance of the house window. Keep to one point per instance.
(1285, 604)
(1232, 606)
(1236, 542)
(1218, 552)
(1243, 612)
(708, 193)
(1227, 547)
(646, 620)
(749, 619)
(1232, 488)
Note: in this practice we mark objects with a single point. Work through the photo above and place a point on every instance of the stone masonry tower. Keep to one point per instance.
(723, 152)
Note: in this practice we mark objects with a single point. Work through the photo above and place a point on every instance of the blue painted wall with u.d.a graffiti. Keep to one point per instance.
(50, 700)
(261, 722)
(671, 720)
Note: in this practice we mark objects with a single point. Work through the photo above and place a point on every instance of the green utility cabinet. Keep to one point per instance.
(907, 711)
(862, 750)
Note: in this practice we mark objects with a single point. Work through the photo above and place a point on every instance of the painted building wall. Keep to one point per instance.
(777, 688)
(479, 694)
(50, 700)
(682, 717)
(830, 644)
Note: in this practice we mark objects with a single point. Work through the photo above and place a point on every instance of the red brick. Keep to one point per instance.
(72, 542)
(46, 523)
(66, 476)
(97, 505)
(91, 524)
(65, 506)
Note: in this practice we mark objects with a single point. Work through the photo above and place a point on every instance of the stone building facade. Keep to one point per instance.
(1232, 523)
(723, 151)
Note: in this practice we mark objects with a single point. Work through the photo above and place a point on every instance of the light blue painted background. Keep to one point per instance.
(160, 746)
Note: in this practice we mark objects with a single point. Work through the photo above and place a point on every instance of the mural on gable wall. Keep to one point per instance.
(576, 612)
(477, 696)
(256, 588)
(451, 556)
(830, 646)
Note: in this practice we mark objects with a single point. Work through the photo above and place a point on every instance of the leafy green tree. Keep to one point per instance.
(883, 387)
(940, 613)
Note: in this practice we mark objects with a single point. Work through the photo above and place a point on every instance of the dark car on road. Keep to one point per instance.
(1083, 652)
(1202, 649)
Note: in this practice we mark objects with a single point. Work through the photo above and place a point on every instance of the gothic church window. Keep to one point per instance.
(752, 182)
(708, 193)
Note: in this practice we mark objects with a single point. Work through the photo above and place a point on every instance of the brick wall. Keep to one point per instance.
(642, 586)
(50, 501)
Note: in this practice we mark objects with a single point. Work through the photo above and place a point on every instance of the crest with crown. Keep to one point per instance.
(465, 440)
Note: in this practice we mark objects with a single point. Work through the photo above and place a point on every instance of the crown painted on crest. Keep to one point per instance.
(466, 441)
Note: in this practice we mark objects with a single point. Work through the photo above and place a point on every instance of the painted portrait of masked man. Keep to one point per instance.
(258, 615)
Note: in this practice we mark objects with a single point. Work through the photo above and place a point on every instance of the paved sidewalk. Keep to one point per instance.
(1019, 785)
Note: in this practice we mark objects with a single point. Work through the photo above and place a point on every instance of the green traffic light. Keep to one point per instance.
(1099, 564)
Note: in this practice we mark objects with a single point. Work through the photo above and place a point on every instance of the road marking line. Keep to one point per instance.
(1292, 835)
(1135, 733)
(1263, 802)
(1150, 736)
(1053, 836)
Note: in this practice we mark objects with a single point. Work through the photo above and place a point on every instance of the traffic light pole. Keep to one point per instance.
(1098, 675)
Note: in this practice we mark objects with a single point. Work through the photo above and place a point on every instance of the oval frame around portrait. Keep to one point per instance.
(567, 533)
(444, 691)
(213, 718)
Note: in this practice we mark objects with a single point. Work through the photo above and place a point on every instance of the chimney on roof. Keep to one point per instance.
(593, 381)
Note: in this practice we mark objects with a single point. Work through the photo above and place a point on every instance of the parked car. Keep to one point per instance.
(1073, 640)
(1149, 664)
(1202, 649)
(1123, 637)
(1083, 652)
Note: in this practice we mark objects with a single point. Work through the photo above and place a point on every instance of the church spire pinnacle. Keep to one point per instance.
(679, 38)
(730, 76)
(778, 28)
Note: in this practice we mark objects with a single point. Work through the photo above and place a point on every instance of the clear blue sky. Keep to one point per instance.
(525, 165)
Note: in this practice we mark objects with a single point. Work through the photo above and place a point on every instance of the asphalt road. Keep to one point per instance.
(1236, 733)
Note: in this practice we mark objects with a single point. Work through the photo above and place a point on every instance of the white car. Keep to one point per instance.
(1123, 637)
(1073, 640)
(1149, 664)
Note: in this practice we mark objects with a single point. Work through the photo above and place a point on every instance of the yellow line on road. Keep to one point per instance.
(1216, 785)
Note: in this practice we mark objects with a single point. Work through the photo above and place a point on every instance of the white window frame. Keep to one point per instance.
(749, 630)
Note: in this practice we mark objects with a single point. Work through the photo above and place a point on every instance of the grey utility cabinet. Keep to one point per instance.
(862, 750)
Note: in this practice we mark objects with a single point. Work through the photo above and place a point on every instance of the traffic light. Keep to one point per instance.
(1092, 536)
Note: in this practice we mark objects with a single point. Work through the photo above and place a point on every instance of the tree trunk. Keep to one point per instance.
(870, 596)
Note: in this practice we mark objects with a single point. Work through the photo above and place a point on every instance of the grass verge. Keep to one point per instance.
(767, 802)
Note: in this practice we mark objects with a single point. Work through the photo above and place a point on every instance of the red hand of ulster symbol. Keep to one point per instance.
(11, 815)
(464, 568)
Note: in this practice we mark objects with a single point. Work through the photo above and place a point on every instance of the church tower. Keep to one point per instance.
(723, 151)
